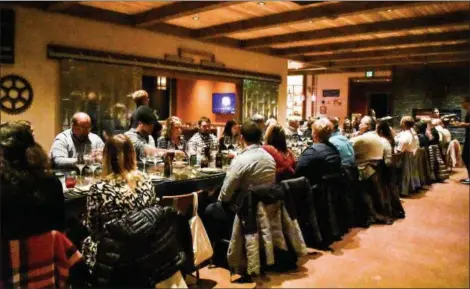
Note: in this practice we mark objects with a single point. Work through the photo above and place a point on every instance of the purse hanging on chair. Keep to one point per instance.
(202, 247)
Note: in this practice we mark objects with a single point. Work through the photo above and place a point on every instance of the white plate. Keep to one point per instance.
(85, 188)
(156, 178)
(210, 170)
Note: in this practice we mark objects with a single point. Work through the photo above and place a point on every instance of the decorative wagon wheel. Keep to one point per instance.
(16, 94)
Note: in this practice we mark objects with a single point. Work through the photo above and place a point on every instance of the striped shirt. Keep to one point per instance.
(199, 141)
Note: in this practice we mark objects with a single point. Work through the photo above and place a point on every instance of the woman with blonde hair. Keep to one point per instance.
(122, 190)
(407, 139)
(173, 134)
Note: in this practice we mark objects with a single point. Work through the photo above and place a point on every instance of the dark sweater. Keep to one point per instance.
(32, 208)
(318, 160)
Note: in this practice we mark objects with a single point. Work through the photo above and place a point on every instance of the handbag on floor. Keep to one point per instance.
(201, 243)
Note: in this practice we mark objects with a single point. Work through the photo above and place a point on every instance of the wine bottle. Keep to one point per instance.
(219, 159)
(167, 168)
(205, 160)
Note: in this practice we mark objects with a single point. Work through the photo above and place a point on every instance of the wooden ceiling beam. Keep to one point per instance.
(463, 63)
(98, 14)
(176, 10)
(454, 18)
(420, 59)
(375, 43)
(60, 5)
(390, 53)
(310, 13)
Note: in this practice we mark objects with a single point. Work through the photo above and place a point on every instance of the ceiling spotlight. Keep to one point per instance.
(389, 10)
(196, 17)
(261, 3)
(310, 22)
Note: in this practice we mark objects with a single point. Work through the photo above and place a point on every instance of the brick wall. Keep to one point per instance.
(441, 87)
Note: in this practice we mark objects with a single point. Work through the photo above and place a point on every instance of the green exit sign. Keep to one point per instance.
(370, 73)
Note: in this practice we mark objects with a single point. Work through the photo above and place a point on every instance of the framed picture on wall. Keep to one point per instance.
(331, 92)
(323, 109)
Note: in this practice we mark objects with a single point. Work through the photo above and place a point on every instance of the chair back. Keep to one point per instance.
(50, 252)
(184, 204)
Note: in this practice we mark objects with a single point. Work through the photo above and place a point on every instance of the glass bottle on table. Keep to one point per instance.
(171, 150)
(167, 166)
(192, 153)
(205, 159)
(214, 149)
(219, 158)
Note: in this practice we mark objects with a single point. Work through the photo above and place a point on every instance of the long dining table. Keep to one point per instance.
(186, 181)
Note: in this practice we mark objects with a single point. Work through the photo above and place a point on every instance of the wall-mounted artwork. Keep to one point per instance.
(16, 94)
(323, 109)
(331, 92)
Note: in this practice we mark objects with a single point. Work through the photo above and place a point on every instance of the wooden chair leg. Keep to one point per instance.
(197, 277)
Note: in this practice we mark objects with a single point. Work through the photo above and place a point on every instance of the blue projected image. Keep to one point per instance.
(223, 103)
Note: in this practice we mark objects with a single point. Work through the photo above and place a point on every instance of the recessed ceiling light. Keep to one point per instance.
(261, 3)
(196, 17)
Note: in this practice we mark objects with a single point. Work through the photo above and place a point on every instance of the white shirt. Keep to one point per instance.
(387, 151)
(408, 141)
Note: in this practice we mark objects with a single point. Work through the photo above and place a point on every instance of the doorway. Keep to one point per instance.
(159, 96)
(379, 103)
(365, 94)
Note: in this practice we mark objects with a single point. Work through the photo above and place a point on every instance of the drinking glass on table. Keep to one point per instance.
(93, 164)
(227, 142)
(152, 157)
(214, 150)
(70, 180)
(143, 156)
(170, 150)
(80, 165)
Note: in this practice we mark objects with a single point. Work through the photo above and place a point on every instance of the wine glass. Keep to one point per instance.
(143, 157)
(152, 157)
(87, 155)
(170, 146)
(227, 142)
(236, 144)
(94, 161)
(80, 165)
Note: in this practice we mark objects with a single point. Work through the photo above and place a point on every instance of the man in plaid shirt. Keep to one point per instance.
(204, 137)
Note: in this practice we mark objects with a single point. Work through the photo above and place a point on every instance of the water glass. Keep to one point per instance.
(143, 157)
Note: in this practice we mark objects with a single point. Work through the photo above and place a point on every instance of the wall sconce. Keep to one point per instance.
(311, 92)
(161, 83)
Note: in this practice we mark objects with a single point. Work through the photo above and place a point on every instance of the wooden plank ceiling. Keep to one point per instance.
(316, 35)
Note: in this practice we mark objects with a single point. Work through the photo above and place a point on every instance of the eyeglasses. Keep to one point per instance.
(83, 129)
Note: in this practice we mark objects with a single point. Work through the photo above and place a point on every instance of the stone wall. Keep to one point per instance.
(428, 87)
